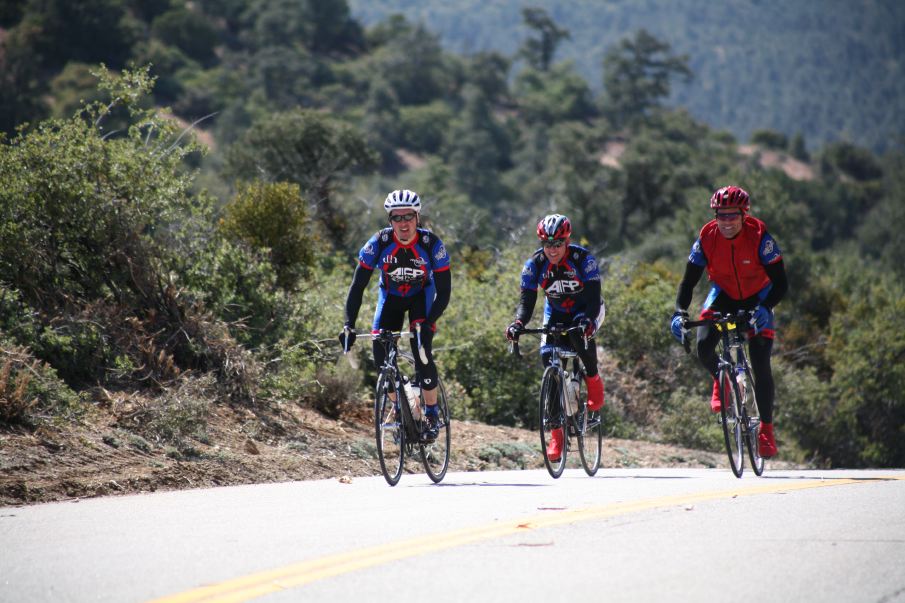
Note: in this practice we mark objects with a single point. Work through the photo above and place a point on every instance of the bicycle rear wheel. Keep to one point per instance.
(435, 455)
(589, 427)
(752, 414)
(388, 431)
(731, 422)
(552, 418)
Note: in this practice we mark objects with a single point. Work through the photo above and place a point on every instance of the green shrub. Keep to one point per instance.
(30, 391)
(176, 416)
(687, 421)
(273, 217)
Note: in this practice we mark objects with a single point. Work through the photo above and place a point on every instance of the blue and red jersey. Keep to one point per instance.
(565, 284)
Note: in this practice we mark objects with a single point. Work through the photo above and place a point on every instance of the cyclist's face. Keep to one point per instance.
(404, 226)
(556, 253)
(729, 221)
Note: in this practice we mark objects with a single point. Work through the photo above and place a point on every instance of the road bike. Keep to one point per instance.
(400, 420)
(563, 403)
(739, 415)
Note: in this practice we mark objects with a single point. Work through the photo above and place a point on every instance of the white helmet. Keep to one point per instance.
(404, 199)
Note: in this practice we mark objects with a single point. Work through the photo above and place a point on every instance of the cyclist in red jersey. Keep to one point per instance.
(745, 266)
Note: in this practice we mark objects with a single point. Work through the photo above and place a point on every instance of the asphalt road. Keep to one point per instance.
(624, 535)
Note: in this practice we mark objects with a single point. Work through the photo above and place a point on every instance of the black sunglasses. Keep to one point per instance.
(728, 217)
(555, 243)
(403, 217)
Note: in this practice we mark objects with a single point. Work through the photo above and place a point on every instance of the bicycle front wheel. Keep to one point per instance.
(730, 418)
(435, 455)
(552, 421)
(752, 415)
(388, 431)
(589, 426)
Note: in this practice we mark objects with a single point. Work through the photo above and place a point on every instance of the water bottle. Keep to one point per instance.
(412, 396)
(740, 379)
(571, 396)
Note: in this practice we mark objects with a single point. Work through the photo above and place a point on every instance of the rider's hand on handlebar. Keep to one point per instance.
(762, 317)
(588, 325)
(347, 338)
(677, 325)
(513, 330)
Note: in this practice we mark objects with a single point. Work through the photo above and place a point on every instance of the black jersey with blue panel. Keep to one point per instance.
(571, 287)
(407, 270)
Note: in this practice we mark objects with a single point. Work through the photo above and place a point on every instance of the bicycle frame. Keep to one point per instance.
(572, 414)
(732, 362)
(390, 370)
(398, 431)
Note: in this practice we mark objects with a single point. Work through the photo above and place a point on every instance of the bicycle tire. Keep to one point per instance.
(752, 414)
(552, 417)
(435, 455)
(589, 427)
(388, 432)
(731, 422)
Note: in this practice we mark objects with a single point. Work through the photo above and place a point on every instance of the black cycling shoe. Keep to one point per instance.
(431, 429)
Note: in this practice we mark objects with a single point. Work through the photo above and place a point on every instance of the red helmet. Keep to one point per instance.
(554, 227)
(730, 196)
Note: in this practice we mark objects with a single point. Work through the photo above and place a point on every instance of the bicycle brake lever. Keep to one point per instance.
(513, 348)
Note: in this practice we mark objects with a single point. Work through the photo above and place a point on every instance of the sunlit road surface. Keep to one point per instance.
(624, 535)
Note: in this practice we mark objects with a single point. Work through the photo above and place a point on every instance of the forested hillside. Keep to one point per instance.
(830, 70)
(179, 227)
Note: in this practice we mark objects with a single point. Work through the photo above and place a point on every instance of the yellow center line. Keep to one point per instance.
(298, 574)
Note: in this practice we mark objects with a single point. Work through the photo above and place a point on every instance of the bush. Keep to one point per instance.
(30, 391)
(688, 422)
(770, 139)
(274, 218)
(176, 416)
(424, 126)
(867, 345)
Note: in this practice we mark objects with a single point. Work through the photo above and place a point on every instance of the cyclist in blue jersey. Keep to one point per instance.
(747, 272)
(570, 278)
(415, 279)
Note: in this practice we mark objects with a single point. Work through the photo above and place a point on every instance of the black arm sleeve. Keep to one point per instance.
(690, 280)
(777, 274)
(356, 291)
(592, 294)
(526, 305)
(443, 284)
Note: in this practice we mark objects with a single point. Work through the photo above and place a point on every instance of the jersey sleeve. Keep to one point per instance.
(367, 257)
(439, 256)
(769, 251)
(529, 275)
(697, 256)
(590, 268)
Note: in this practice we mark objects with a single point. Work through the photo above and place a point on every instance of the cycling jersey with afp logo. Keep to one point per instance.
(406, 269)
(564, 284)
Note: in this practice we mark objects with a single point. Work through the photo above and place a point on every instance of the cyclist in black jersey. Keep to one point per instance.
(570, 278)
(415, 278)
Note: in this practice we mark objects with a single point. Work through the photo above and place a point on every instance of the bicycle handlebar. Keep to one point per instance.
(548, 330)
(740, 317)
(385, 335)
